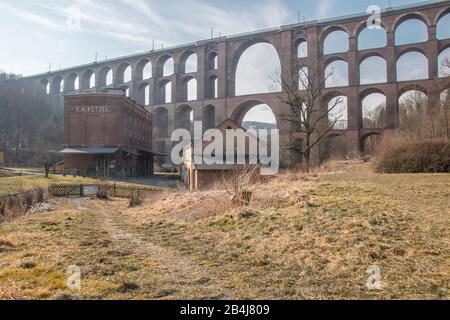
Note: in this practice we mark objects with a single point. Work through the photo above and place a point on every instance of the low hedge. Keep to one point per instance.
(415, 157)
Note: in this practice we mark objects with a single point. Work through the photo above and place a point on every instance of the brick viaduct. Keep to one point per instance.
(217, 61)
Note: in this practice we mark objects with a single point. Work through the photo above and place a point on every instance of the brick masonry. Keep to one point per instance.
(285, 40)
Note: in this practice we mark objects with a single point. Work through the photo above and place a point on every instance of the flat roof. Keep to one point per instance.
(89, 150)
(105, 150)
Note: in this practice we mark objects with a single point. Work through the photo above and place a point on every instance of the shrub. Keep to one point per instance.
(415, 157)
(39, 195)
(136, 199)
(102, 191)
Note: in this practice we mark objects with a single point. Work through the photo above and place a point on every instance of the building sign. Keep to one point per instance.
(93, 109)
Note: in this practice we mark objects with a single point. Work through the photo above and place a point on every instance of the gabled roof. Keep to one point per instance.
(229, 123)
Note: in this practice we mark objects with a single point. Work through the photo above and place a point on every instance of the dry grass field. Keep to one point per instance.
(301, 238)
(16, 184)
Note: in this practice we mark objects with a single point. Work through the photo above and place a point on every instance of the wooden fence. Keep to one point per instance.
(112, 190)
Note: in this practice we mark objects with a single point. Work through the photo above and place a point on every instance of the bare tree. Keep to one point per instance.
(48, 159)
(445, 100)
(302, 91)
(445, 110)
(30, 121)
(236, 182)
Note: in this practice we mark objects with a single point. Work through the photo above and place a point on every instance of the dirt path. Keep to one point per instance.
(176, 269)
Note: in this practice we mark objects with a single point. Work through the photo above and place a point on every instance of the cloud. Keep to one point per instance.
(122, 27)
(43, 21)
(324, 9)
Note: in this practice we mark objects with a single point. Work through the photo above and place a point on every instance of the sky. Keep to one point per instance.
(37, 33)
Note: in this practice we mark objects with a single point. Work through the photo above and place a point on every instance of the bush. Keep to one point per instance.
(415, 157)
(102, 192)
(136, 199)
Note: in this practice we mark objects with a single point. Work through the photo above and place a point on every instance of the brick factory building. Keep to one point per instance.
(107, 135)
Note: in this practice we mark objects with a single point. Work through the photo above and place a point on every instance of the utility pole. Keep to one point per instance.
(96, 56)
(212, 32)
(49, 67)
(298, 16)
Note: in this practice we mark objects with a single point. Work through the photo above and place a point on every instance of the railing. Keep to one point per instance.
(112, 190)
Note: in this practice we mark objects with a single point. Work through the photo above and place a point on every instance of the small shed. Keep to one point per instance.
(57, 168)
(203, 176)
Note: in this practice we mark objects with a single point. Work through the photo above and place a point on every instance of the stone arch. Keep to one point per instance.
(333, 147)
(57, 85)
(370, 91)
(161, 123)
(336, 73)
(143, 94)
(443, 68)
(371, 38)
(373, 69)
(411, 87)
(373, 109)
(190, 89)
(88, 79)
(165, 87)
(303, 78)
(168, 67)
(72, 82)
(45, 85)
(355, 32)
(237, 58)
(369, 143)
(209, 117)
(243, 108)
(188, 62)
(412, 65)
(402, 29)
(124, 73)
(212, 87)
(161, 63)
(440, 15)
(403, 51)
(443, 25)
(213, 61)
(143, 70)
(183, 117)
(105, 76)
(339, 113)
(408, 16)
(332, 40)
(413, 105)
(301, 48)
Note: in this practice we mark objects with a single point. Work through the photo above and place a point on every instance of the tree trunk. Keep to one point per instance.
(47, 170)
